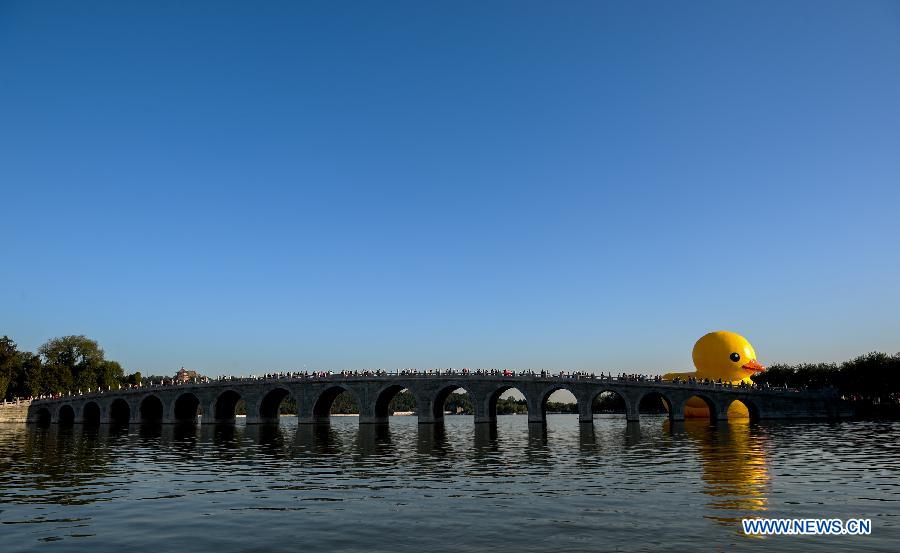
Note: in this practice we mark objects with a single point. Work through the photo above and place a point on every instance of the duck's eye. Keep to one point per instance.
(735, 357)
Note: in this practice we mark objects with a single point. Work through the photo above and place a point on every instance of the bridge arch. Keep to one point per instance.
(270, 405)
(385, 396)
(494, 398)
(43, 416)
(442, 394)
(119, 411)
(693, 407)
(325, 400)
(610, 401)
(549, 391)
(90, 413)
(65, 415)
(151, 409)
(185, 408)
(654, 402)
(225, 404)
(741, 408)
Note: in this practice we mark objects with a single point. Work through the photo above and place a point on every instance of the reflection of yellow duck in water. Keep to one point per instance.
(734, 467)
(720, 356)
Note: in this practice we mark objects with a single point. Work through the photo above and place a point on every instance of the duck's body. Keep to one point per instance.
(720, 356)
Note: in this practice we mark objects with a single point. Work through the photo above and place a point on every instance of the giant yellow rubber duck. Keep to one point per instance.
(725, 356)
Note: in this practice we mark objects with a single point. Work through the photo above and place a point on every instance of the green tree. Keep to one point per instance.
(510, 405)
(608, 402)
(33, 379)
(77, 363)
(560, 407)
(874, 376)
(870, 379)
(345, 404)
(111, 374)
(404, 401)
(459, 403)
(10, 365)
(18, 370)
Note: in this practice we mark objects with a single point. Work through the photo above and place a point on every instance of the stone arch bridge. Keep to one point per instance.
(216, 401)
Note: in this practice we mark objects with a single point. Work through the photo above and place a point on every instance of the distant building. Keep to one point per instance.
(185, 376)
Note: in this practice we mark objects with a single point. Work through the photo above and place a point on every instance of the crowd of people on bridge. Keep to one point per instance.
(717, 382)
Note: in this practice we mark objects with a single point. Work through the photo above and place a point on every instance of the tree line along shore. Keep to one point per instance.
(66, 364)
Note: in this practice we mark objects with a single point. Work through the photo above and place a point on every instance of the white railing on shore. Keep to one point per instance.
(17, 401)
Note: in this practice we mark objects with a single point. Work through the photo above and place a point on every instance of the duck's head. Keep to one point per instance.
(725, 355)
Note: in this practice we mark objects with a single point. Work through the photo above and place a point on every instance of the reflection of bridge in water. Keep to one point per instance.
(216, 401)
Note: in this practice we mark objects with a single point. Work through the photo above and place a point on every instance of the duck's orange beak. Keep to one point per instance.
(753, 366)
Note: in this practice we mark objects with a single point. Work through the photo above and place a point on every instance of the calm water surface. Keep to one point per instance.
(568, 487)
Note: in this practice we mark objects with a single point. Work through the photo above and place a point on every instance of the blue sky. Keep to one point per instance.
(246, 186)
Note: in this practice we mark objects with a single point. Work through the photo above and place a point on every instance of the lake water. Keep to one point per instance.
(461, 487)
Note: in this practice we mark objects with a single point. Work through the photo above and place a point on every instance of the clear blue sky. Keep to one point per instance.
(249, 186)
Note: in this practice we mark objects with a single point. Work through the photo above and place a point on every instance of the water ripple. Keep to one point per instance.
(344, 488)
